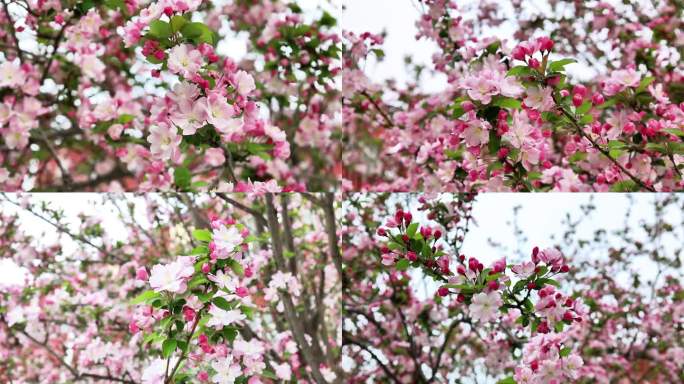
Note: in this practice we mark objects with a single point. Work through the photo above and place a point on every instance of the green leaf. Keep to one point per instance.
(222, 303)
(582, 109)
(229, 333)
(327, 20)
(177, 22)
(168, 347)
(182, 177)
(202, 235)
(507, 102)
(394, 245)
(201, 250)
(197, 280)
(236, 267)
(160, 29)
(411, 230)
(586, 119)
(624, 186)
(402, 265)
(520, 70)
(564, 352)
(194, 30)
(508, 380)
(494, 142)
(269, 374)
(145, 297)
(644, 83)
(492, 277)
(557, 66)
(544, 281)
(674, 131)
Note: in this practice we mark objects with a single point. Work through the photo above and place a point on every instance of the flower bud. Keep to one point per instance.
(411, 256)
(206, 268)
(534, 63)
(443, 291)
(493, 285)
(437, 234)
(141, 274)
(579, 89)
(382, 232)
(577, 100)
(597, 99)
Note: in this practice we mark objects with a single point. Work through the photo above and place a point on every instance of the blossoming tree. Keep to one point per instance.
(568, 96)
(420, 311)
(220, 289)
(114, 95)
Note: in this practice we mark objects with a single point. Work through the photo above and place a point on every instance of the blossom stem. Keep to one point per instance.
(593, 142)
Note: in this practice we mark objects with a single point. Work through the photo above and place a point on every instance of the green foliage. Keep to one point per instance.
(202, 235)
(557, 66)
(145, 297)
(168, 347)
(182, 178)
(160, 30)
(402, 265)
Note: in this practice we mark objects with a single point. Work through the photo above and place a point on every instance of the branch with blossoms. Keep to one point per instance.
(509, 116)
(94, 114)
(419, 311)
(214, 314)
(515, 307)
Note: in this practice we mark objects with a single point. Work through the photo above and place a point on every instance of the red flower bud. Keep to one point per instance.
(565, 269)
(579, 89)
(532, 285)
(534, 63)
(567, 316)
(597, 99)
(443, 291)
(437, 234)
(493, 285)
(381, 231)
(411, 256)
(577, 100)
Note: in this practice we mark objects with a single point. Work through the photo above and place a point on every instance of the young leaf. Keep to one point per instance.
(411, 230)
(160, 29)
(402, 265)
(557, 66)
(145, 297)
(202, 235)
(168, 347)
(222, 303)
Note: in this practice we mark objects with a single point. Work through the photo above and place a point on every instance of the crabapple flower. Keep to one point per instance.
(171, 277)
(164, 140)
(223, 280)
(189, 117)
(220, 318)
(221, 114)
(485, 306)
(226, 371)
(215, 157)
(245, 83)
(227, 238)
(184, 60)
(524, 270)
(539, 98)
(283, 371)
(11, 74)
(154, 373)
(477, 133)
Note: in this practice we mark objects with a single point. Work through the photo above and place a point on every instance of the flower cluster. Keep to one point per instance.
(515, 115)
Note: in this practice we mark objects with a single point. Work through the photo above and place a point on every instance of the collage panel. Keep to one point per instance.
(451, 288)
(525, 95)
(112, 95)
(169, 288)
